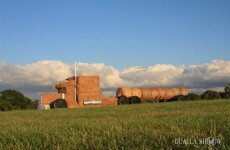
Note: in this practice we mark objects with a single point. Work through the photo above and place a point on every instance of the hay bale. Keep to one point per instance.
(123, 92)
(72, 105)
(50, 97)
(88, 98)
(136, 92)
(176, 91)
(184, 91)
(81, 97)
(70, 98)
(88, 80)
(162, 93)
(169, 93)
(80, 102)
(70, 90)
(65, 84)
(109, 101)
(61, 90)
(128, 92)
(155, 93)
(146, 93)
(93, 96)
(87, 88)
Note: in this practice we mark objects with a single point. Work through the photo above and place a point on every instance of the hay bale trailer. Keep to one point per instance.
(136, 95)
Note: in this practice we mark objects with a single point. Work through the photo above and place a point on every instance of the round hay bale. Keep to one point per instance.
(123, 92)
(184, 91)
(136, 92)
(176, 91)
(161, 94)
(169, 93)
(155, 93)
(146, 93)
(128, 92)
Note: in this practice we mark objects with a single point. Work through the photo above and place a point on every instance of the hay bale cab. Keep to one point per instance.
(84, 91)
(76, 92)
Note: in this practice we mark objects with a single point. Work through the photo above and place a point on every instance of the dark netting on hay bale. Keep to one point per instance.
(59, 103)
(123, 100)
(135, 100)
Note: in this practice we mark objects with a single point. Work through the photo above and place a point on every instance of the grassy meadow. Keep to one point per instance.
(140, 126)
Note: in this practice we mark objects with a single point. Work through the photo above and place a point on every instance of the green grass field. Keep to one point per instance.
(142, 126)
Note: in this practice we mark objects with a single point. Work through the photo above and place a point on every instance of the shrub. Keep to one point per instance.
(210, 95)
(193, 96)
(33, 105)
(227, 95)
(227, 91)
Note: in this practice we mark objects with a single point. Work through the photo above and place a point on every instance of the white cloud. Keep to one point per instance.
(157, 75)
(211, 75)
(39, 77)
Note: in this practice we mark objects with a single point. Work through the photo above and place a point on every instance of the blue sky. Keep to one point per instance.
(115, 32)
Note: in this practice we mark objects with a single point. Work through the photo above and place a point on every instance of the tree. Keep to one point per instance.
(13, 100)
(210, 95)
(227, 91)
(227, 88)
(222, 95)
(5, 105)
(193, 96)
(33, 105)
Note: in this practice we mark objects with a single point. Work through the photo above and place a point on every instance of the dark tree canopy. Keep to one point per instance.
(210, 95)
(193, 96)
(14, 100)
(227, 91)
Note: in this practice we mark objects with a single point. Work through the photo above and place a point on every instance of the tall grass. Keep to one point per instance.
(144, 126)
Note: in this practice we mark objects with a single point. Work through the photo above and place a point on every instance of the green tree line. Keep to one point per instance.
(15, 100)
(210, 94)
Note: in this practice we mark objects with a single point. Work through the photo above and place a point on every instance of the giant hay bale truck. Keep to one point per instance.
(84, 91)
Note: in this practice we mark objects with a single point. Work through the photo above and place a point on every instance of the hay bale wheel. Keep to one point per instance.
(135, 100)
(180, 98)
(186, 98)
(123, 100)
(59, 103)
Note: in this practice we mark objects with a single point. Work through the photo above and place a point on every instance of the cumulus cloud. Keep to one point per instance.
(157, 75)
(36, 78)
